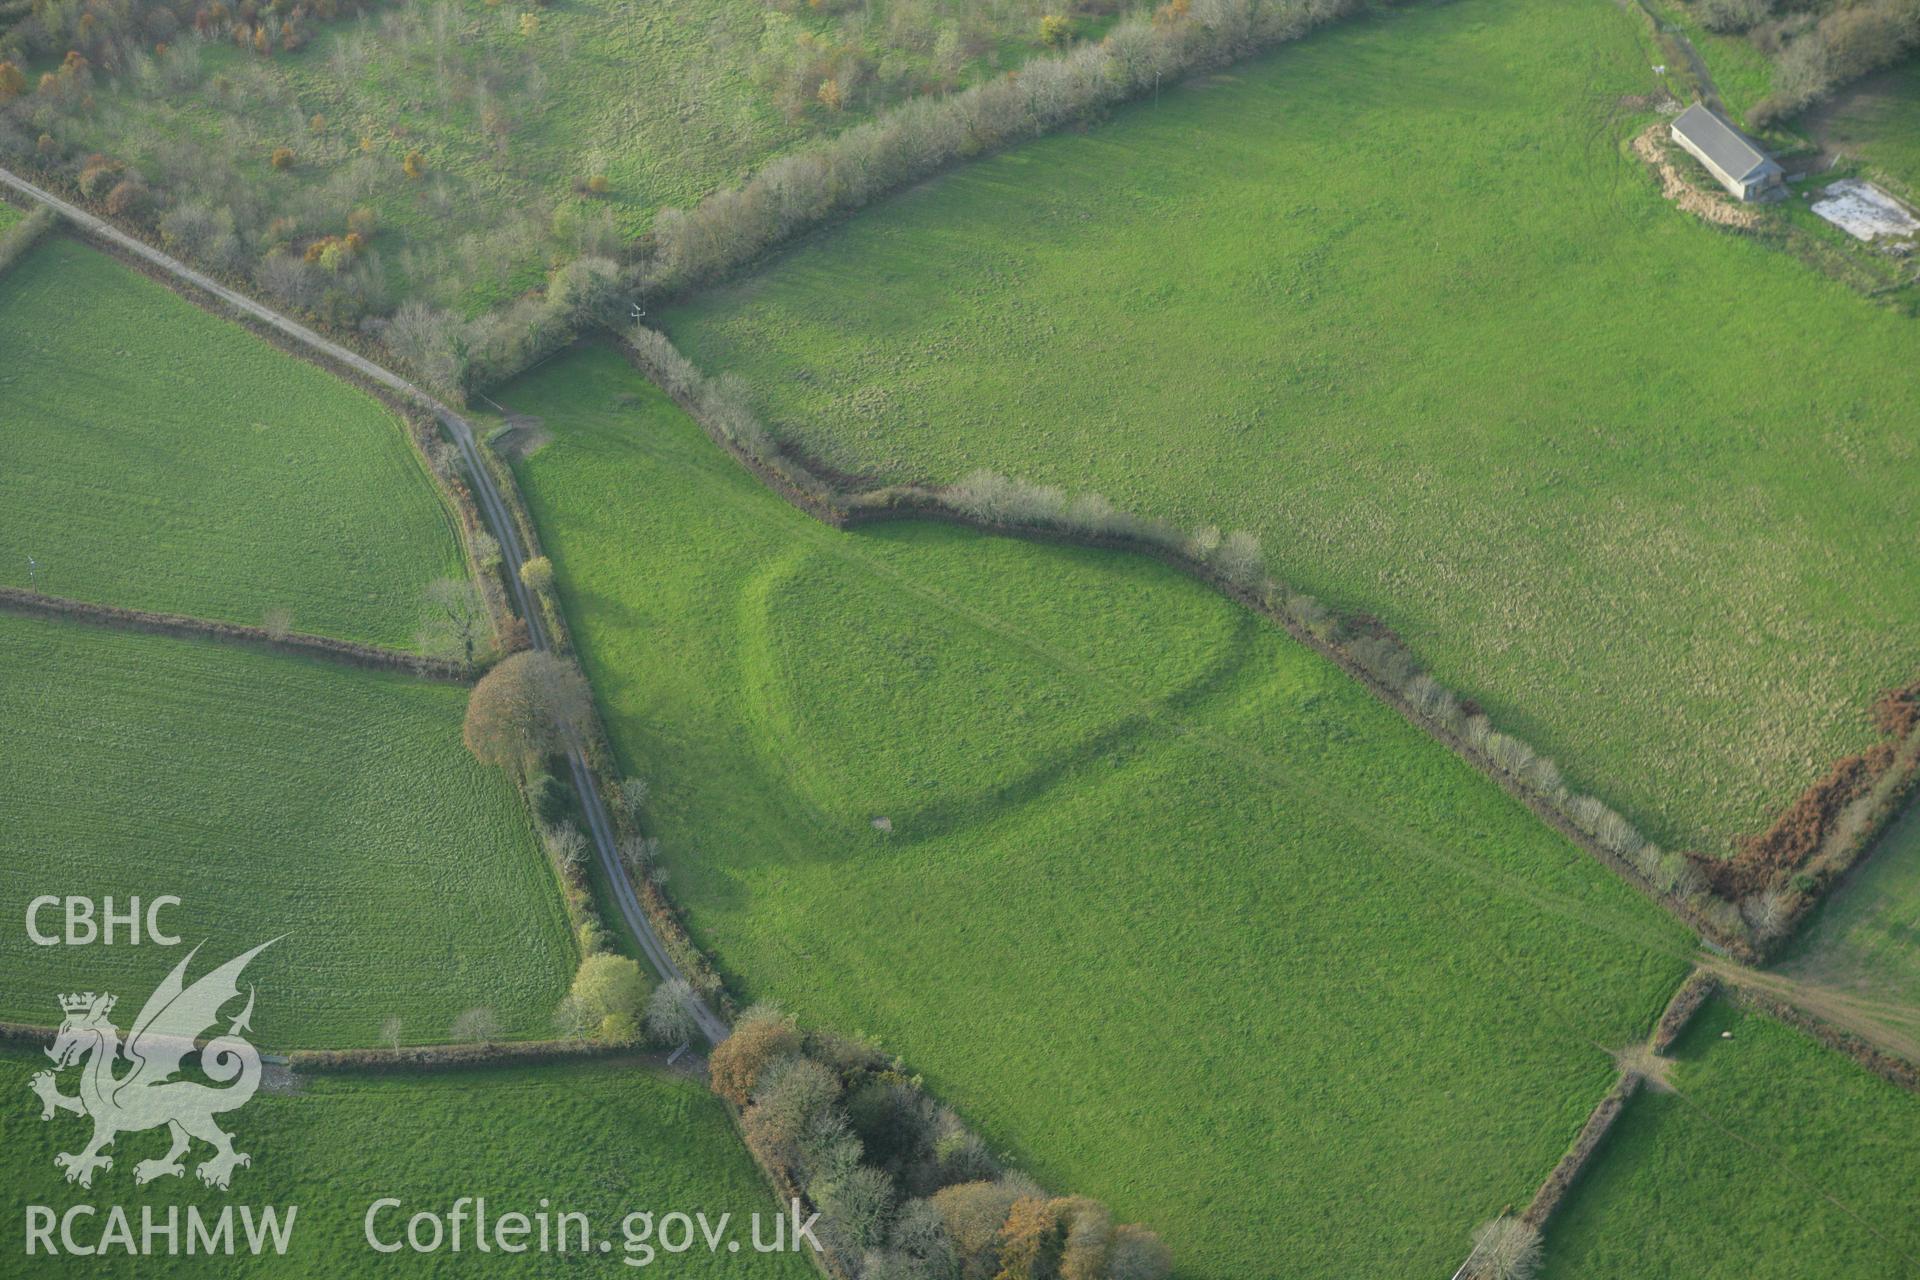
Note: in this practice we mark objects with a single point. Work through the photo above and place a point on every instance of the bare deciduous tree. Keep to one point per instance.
(638, 854)
(1505, 1249)
(633, 795)
(573, 1019)
(478, 1025)
(455, 617)
(669, 1019)
(565, 844)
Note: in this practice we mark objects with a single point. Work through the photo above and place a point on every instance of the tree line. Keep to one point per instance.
(1816, 49)
(733, 226)
(905, 1191)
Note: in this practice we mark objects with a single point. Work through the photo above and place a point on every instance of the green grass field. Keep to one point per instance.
(1865, 939)
(1776, 1158)
(606, 1140)
(1394, 299)
(8, 215)
(1878, 121)
(1170, 908)
(274, 796)
(154, 456)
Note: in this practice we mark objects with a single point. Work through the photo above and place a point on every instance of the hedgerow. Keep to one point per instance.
(733, 226)
(313, 255)
(20, 237)
(1818, 53)
(905, 1191)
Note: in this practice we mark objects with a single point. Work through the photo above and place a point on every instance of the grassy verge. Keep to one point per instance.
(158, 457)
(1441, 345)
(275, 796)
(1775, 1158)
(605, 1140)
(1131, 913)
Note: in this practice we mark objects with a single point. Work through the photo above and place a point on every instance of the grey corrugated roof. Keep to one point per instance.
(1737, 157)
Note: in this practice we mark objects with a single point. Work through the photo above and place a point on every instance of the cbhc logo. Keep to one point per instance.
(86, 926)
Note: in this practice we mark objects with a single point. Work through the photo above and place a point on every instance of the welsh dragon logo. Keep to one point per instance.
(146, 1095)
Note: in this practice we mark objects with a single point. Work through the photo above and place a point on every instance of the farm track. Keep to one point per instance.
(493, 506)
(1677, 40)
(1891, 1026)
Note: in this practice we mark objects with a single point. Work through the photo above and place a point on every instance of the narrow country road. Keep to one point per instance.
(492, 506)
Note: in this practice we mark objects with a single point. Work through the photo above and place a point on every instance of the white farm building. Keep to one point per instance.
(1742, 168)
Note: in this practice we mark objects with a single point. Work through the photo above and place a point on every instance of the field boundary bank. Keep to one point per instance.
(931, 507)
(32, 604)
(1850, 831)
(1687, 1001)
(425, 1058)
(1737, 913)
(735, 228)
(1196, 569)
(454, 1057)
(1701, 986)
(17, 239)
(1593, 1135)
(596, 751)
(845, 509)
(1845, 836)
(595, 747)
